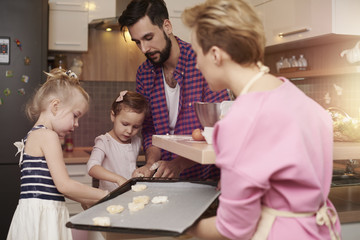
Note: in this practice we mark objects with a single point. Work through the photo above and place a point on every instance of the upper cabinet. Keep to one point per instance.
(68, 25)
(291, 20)
(102, 9)
(175, 9)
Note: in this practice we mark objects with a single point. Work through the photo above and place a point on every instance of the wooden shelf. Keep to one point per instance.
(320, 72)
(346, 150)
(185, 146)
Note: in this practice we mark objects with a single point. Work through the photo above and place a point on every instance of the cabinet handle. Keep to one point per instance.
(294, 32)
(77, 174)
(68, 4)
(68, 43)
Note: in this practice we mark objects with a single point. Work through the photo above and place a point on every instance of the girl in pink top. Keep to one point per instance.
(274, 146)
(114, 156)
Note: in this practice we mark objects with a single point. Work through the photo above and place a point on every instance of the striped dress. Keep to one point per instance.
(41, 212)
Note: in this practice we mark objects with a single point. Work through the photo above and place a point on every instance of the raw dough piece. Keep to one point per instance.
(159, 199)
(115, 209)
(141, 199)
(101, 221)
(134, 207)
(138, 187)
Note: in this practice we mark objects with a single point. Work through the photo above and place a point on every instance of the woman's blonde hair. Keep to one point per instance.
(231, 25)
(59, 84)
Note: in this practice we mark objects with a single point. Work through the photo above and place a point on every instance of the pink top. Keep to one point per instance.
(274, 148)
(114, 156)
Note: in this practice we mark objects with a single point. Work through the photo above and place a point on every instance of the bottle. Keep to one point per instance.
(279, 64)
(69, 145)
(286, 63)
(302, 61)
(293, 62)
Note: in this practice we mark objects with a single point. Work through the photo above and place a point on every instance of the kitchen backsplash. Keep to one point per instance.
(97, 120)
(341, 91)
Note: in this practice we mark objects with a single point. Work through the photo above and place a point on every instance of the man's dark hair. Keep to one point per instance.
(155, 9)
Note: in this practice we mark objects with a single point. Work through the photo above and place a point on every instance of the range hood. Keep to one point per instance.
(110, 22)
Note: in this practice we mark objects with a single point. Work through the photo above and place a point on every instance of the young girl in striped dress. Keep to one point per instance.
(41, 212)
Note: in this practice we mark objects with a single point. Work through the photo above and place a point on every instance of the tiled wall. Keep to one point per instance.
(97, 120)
(348, 99)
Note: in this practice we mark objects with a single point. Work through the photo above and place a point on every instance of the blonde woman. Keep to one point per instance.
(274, 146)
(41, 212)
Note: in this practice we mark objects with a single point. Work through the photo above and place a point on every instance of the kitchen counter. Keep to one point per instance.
(80, 155)
(201, 152)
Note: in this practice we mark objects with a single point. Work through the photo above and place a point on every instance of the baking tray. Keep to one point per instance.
(187, 202)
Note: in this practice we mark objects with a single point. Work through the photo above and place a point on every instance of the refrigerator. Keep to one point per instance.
(23, 58)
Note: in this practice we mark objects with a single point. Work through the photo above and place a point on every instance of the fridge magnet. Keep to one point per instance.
(5, 50)
(7, 92)
(27, 60)
(9, 73)
(18, 44)
(25, 78)
(21, 91)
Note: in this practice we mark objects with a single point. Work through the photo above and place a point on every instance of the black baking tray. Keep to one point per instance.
(189, 200)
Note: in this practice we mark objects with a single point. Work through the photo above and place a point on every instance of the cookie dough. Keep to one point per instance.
(134, 207)
(101, 221)
(113, 209)
(141, 199)
(138, 187)
(159, 199)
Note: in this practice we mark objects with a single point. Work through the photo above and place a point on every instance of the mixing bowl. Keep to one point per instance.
(207, 113)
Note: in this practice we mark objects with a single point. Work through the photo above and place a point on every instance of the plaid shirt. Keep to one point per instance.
(193, 88)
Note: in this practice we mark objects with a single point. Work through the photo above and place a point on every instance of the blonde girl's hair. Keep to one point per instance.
(130, 100)
(231, 25)
(59, 84)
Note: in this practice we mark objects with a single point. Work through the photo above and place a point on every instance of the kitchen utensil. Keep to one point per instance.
(353, 54)
(207, 113)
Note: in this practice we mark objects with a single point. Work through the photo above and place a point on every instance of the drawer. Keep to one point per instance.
(79, 173)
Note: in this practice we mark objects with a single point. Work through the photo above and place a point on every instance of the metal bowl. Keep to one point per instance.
(207, 113)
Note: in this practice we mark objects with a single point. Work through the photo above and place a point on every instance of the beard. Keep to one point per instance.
(164, 54)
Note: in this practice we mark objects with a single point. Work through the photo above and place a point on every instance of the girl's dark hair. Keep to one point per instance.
(155, 9)
(133, 100)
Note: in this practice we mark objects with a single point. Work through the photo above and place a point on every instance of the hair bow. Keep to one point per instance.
(71, 74)
(121, 96)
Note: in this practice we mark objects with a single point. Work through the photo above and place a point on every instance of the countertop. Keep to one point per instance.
(80, 155)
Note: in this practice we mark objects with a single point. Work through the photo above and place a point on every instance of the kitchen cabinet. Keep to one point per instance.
(292, 20)
(322, 54)
(68, 25)
(79, 173)
(102, 9)
(77, 169)
(175, 9)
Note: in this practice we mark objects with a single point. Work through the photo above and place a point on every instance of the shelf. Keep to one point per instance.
(320, 73)
(185, 146)
(346, 150)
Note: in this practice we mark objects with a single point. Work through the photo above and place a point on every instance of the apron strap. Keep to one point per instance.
(325, 215)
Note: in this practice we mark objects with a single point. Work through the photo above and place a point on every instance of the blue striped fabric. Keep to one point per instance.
(36, 180)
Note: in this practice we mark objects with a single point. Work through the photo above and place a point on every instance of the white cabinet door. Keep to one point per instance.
(102, 9)
(79, 173)
(292, 20)
(69, 5)
(68, 30)
(175, 9)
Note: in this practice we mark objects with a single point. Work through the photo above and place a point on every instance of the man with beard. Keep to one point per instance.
(171, 83)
